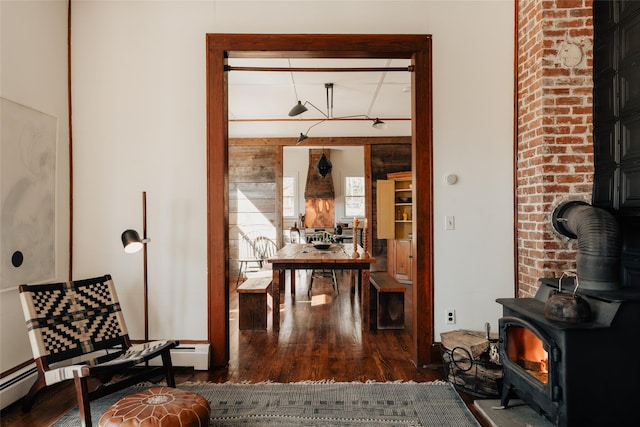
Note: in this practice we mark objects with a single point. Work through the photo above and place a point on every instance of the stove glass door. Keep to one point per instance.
(529, 352)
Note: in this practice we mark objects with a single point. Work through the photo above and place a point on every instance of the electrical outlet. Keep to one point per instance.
(451, 316)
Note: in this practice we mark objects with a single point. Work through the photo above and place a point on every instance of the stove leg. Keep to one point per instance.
(504, 399)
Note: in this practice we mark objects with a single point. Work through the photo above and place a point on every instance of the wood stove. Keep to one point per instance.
(574, 373)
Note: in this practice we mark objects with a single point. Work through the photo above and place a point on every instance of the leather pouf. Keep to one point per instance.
(158, 407)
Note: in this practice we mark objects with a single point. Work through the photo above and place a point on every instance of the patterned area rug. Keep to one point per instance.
(318, 404)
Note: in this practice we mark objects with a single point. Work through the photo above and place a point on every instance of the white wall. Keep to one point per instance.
(33, 67)
(139, 124)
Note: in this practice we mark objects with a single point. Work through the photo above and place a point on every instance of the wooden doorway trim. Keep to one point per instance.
(220, 47)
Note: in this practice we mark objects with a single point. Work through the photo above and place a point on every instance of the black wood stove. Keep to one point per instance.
(574, 373)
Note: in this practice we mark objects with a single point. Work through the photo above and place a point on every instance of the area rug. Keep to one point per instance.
(317, 404)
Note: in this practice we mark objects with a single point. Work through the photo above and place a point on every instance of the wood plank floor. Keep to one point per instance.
(320, 339)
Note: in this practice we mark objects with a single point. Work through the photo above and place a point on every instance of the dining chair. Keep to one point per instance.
(324, 237)
(254, 250)
(265, 248)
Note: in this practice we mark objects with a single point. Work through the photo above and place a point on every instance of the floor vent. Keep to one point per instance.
(196, 355)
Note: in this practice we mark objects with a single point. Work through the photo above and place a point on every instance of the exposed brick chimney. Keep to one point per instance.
(555, 143)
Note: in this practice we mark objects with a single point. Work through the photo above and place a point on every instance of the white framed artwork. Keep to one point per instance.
(28, 144)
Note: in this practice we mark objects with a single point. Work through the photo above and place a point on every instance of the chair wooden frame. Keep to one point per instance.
(83, 320)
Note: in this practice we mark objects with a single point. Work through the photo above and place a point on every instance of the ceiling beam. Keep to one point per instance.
(321, 69)
(323, 141)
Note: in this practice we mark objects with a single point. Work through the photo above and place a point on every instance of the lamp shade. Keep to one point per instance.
(131, 241)
(324, 166)
(297, 109)
(301, 138)
(379, 124)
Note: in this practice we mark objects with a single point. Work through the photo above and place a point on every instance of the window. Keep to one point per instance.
(354, 196)
(289, 196)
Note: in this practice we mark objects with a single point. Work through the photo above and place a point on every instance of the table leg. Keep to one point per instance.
(365, 303)
(277, 278)
(293, 282)
(353, 280)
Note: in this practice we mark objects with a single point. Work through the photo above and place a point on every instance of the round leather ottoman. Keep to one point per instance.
(158, 407)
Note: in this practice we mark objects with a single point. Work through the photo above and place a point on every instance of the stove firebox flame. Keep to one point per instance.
(527, 350)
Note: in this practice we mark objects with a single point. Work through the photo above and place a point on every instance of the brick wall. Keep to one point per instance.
(555, 143)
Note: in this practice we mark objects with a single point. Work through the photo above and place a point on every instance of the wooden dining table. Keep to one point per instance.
(304, 256)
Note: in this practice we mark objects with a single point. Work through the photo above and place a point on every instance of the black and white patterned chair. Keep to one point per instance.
(82, 320)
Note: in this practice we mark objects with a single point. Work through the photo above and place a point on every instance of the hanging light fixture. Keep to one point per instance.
(300, 108)
(297, 109)
(304, 136)
(301, 138)
(324, 166)
(379, 124)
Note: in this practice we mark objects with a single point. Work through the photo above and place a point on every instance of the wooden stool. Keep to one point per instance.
(159, 406)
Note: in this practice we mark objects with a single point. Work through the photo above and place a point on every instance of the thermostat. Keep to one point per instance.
(451, 179)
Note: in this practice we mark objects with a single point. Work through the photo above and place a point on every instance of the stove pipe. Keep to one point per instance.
(598, 259)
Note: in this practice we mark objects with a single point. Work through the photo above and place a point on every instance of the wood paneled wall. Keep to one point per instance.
(253, 195)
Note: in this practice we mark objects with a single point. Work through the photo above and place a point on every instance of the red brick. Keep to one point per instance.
(569, 140)
(582, 32)
(581, 13)
(574, 23)
(570, 100)
(569, 4)
(570, 179)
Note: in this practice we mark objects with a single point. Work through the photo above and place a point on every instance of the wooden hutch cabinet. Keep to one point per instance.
(395, 223)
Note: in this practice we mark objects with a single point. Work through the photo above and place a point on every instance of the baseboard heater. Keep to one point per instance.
(17, 385)
(196, 355)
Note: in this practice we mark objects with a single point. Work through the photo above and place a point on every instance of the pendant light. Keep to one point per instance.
(379, 124)
(324, 166)
(304, 136)
(297, 109)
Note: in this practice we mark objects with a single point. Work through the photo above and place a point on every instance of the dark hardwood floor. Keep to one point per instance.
(320, 339)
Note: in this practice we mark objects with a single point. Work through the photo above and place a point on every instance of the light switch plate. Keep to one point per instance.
(450, 222)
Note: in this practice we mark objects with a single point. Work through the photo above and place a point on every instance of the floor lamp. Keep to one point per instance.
(133, 243)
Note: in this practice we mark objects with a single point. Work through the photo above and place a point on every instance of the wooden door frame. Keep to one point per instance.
(220, 47)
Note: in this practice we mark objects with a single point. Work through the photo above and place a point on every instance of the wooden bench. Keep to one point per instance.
(252, 302)
(387, 300)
